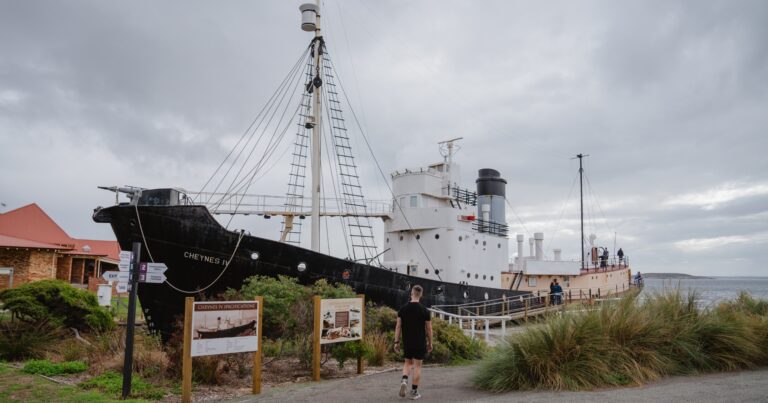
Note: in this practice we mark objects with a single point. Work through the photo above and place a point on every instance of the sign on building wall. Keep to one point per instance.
(341, 320)
(224, 327)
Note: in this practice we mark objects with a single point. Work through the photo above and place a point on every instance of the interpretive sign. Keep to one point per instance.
(336, 320)
(341, 320)
(221, 327)
(224, 327)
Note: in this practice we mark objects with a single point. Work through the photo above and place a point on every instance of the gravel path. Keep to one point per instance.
(441, 384)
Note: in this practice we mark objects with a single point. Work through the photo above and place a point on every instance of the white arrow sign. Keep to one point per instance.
(121, 276)
(154, 278)
(124, 266)
(156, 268)
(125, 256)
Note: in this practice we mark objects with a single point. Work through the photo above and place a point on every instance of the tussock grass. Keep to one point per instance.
(630, 342)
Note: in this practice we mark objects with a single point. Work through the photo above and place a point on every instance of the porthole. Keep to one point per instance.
(476, 276)
(483, 276)
(466, 295)
(486, 295)
(437, 236)
(387, 240)
(491, 278)
(426, 271)
(476, 241)
(302, 267)
(418, 236)
(483, 243)
(460, 238)
(468, 275)
(498, 246)
(255, 256)
(437, 271)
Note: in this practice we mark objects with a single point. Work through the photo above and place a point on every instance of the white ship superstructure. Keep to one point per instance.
(444, 232)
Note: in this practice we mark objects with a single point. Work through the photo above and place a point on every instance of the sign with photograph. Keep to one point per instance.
(341, 320)
(225, 327)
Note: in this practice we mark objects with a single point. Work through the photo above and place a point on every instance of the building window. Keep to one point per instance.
(414, 201)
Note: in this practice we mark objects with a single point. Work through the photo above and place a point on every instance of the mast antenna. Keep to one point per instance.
(310, 21)
(581, 200)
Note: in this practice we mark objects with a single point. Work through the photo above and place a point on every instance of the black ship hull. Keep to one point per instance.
(196, 249)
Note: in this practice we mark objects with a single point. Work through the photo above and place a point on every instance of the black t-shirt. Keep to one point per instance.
(413, 317)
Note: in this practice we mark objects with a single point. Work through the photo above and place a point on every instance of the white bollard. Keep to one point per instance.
(450, 320)
(503, 329)
(461, 325)
(487, 331)
(473, 328)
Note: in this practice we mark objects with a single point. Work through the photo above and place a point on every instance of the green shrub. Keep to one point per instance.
(111, 383)
(345, 351)
(380, 319)
(58, 302)
(449, 343)
(22, 340)
(47, 368)
(629, 342)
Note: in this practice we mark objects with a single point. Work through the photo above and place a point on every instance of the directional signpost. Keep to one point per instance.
(119, 276)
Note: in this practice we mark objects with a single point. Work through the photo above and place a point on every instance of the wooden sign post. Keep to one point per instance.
(362, 334)
(213, 340)
(316, 340)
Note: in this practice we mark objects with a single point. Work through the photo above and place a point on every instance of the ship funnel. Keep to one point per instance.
(538, 238)
(491, 192)
(308, 16)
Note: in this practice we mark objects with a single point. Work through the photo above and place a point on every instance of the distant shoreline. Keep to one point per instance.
(675, 276)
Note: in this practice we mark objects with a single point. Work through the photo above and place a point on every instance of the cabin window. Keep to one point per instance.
(437, 236)
(491, 278)
(460, 238)
(387, 240)
(476, 276)
(426, 271)
(483, 243)
(414, 201)
(401, 237)
(476, 241)
(468, 275)
(531, 281)
(499, 246)
(483, 276)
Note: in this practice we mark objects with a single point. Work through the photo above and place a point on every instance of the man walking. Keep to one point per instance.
(415, 326)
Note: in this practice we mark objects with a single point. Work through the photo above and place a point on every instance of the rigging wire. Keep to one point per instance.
(520, 220)
(562, 211)
(248, 130)
(381, 171)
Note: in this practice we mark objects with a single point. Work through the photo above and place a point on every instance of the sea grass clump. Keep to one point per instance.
(630, 342)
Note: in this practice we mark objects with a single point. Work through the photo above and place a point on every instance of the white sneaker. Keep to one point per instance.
(414, 395)
(403, 387)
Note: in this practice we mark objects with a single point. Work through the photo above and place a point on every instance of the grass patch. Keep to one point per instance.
(111, 384)
(16, 386)
(47, 368)
(630, 342)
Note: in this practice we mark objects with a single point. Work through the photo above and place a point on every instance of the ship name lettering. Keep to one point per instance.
(205, 258)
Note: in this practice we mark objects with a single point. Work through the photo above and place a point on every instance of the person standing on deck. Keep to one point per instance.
(415, 327)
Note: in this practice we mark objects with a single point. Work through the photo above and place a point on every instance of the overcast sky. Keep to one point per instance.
(669, 99)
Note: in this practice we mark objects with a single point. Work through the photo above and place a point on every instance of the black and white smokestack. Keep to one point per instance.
(491, 195)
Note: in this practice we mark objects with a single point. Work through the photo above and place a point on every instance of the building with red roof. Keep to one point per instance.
(33, 247)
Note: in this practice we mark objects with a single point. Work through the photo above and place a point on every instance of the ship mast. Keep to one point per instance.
(581, 199)
(316, 123)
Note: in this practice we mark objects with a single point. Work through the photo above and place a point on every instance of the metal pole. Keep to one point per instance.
(503, 328)
(134, 284)
(581, 199)
(473, 328)
(487, 331)
(316, 131)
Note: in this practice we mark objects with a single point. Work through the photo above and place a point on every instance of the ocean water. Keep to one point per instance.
(714, 290)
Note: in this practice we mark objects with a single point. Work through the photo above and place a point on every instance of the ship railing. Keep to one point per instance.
(490, 227)
(461, 195)
(473, 321)
(288, 205)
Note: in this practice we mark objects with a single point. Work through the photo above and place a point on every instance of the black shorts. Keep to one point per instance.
(414, 354)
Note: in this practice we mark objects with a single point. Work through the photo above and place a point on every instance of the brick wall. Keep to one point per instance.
(63, 267)
(28, 265)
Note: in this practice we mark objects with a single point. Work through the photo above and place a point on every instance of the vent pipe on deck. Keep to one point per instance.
(539, 239)
(520, 239)
(558, 254)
